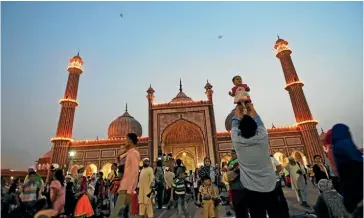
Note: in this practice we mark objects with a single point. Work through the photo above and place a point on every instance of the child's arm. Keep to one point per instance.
(232, 92)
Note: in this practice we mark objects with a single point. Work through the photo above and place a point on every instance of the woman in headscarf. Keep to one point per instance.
(329, 203)
(207, 170)
(83, 206)
(349, 163)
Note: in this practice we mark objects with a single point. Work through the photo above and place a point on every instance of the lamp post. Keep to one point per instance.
(71, 155)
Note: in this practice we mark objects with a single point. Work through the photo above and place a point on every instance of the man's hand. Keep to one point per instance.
(253, 113)
(239, 111)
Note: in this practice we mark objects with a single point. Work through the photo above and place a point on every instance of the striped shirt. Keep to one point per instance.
(30, 192)
(179, 186)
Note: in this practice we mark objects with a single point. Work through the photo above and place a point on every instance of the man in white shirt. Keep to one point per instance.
(278, 168)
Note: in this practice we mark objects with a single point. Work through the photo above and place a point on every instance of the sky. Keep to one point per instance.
(158, 43)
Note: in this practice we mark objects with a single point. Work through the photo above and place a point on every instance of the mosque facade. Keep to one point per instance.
(184, 127)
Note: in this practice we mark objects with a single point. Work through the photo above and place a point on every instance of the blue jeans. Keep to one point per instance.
(181, 206)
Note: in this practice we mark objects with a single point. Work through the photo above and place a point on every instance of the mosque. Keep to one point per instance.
(183, 126)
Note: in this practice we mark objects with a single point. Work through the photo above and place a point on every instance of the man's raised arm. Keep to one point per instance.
(256, 117)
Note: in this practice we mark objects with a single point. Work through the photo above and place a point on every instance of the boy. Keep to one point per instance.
(208, 197)
(179, 191)
(302, 188)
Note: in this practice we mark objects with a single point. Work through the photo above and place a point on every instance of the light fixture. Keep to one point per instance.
(72, 153)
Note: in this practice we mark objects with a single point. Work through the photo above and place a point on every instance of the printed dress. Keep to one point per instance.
(240, 94)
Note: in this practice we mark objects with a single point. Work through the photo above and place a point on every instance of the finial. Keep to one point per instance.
(322, 130)
(273, 127)
(97, 137)
(278, 36)
(150, 86)
(180, 84)
(126, 107)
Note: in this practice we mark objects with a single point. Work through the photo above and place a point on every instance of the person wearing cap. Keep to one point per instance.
(145, 184)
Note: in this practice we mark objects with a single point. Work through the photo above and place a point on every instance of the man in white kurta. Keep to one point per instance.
(146, 180)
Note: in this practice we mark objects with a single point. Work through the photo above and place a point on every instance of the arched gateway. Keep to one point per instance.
(183, 126)
(185, 141)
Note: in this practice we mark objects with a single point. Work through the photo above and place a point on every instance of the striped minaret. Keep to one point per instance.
(65, 123)
(300, 106)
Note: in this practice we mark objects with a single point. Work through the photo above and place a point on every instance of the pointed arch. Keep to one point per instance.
(182, 131)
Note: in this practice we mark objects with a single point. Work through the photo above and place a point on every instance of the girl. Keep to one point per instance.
(83, 206)
(58, 193)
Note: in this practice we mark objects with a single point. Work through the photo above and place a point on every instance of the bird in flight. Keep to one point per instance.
(121, 15)
(219, 37)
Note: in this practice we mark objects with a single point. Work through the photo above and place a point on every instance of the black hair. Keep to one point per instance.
(133, 137)
(178, 162)
(101, 173)
(121, 168)
(159, 163)
(32, 173)
(248, 127)
(233, 151)
(235, 77)
(58, 174)
(206, 178)
(115, 164)
(317, 156)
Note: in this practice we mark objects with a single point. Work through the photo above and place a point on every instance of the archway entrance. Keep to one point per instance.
(90, 170)
(106, 169)
(299, 157)
(185, 141)
(188, 160)
(281, 158)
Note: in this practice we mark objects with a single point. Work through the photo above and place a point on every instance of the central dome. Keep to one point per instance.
(123, 125)
(181, 96)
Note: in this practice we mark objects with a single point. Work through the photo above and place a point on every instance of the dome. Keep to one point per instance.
(181, 96)
(228, 121)
(123, 125)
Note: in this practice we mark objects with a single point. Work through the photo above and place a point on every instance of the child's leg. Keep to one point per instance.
(179, 207)
(206, 208)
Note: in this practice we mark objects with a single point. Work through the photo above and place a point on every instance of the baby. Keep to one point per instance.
(240, 92)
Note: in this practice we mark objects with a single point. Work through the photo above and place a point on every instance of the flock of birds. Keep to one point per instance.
(219, 37)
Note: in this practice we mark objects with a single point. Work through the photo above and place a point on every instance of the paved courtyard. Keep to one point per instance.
(294, 206)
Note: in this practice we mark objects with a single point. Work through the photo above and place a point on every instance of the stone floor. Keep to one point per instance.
(294, 206)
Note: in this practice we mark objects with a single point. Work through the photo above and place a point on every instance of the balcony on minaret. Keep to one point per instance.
(76, 62)
(280, 46)
(68, 102)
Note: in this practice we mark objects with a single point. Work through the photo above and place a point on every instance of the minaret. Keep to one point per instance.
(209, 92)
(150, 98)
(65, 123)
(300, 106)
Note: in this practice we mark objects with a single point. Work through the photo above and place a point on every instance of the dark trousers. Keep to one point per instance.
(282, 200)
(160, 194)
(336, 183)
(167, 196)
(196, 194)
(239, 199)
(261, 203)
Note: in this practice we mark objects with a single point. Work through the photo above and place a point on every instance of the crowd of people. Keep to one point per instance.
(252, 178)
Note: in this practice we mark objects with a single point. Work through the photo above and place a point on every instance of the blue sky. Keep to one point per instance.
(159, 42)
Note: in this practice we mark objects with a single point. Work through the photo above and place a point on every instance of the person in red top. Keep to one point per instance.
(130, 178)
(240, 92)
